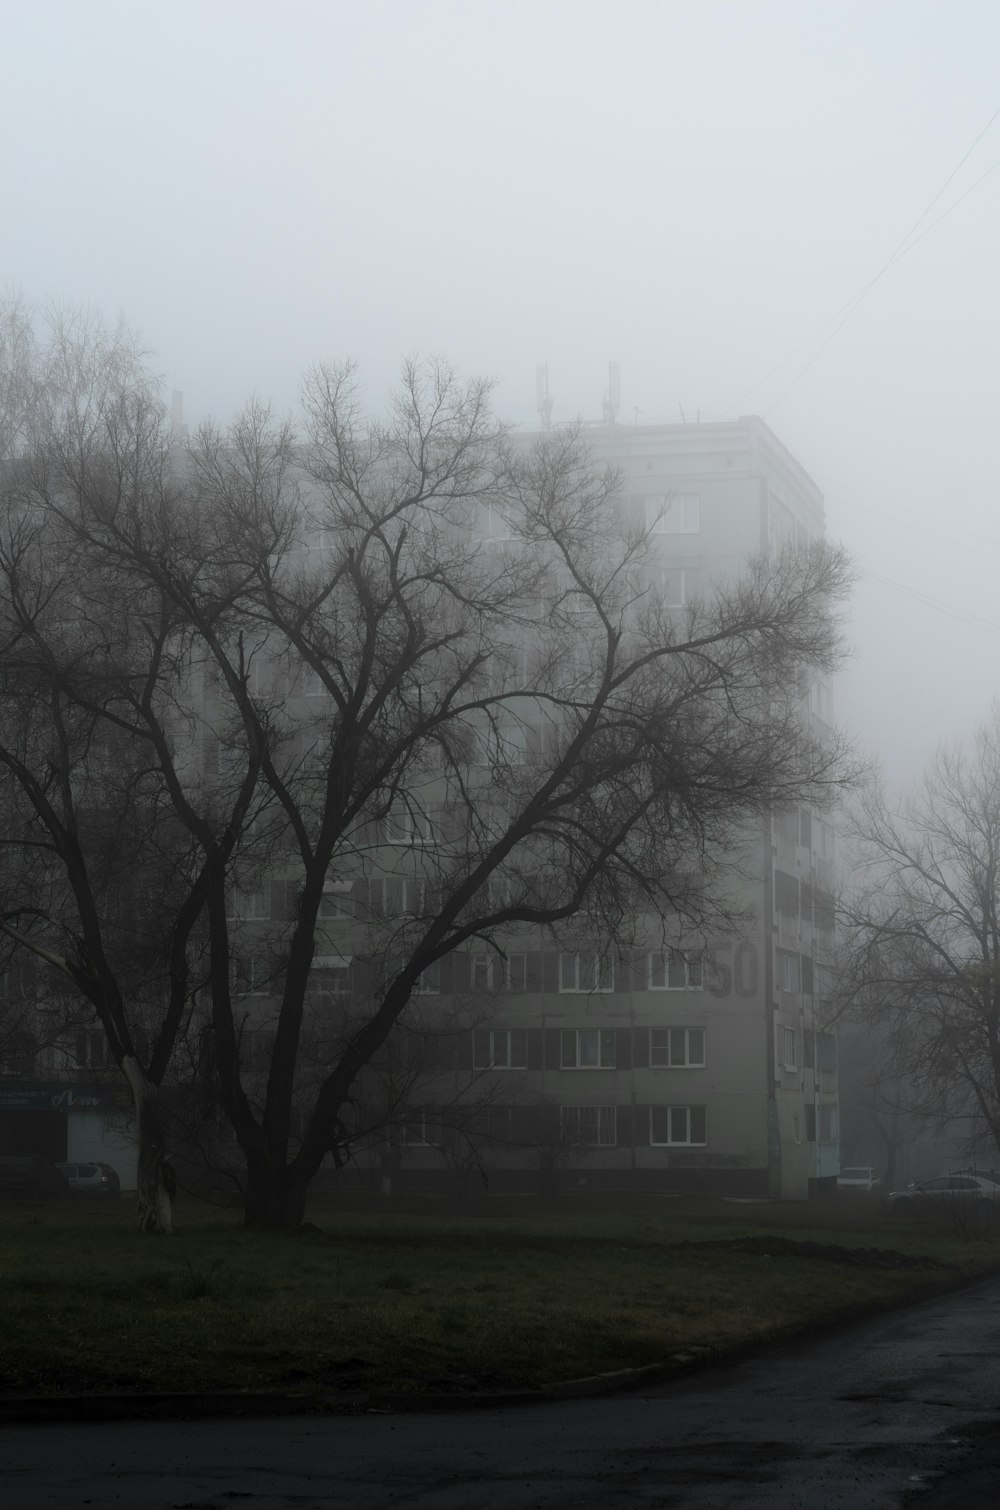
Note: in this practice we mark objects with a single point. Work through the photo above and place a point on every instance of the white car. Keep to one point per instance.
(858, 1177)
(91, 1179)
(955, 1192)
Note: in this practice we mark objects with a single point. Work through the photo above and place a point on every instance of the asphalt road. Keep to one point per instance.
(901, 1412)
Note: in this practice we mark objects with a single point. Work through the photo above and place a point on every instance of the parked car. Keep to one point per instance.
(958, 1193)
(858, 1177)
(31, 1177)
(92, 1179)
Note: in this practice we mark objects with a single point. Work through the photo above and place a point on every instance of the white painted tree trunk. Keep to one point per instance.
(153, 1180)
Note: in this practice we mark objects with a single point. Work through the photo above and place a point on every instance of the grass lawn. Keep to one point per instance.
(407, 1296)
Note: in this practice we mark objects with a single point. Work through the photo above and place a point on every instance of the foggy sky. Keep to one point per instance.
(692, 189)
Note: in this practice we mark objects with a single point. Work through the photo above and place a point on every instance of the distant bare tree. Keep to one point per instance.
(922, 935)
(97, 882)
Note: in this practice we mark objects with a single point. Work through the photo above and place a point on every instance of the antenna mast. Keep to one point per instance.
(543, 401)
(613, 397)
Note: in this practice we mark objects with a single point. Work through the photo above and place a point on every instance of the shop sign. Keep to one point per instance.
(50, 1098)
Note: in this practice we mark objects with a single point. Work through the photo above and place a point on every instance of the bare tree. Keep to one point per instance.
(922, 936)
(99, 883)
(412, 684)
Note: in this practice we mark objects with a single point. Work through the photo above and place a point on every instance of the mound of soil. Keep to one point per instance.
(830, 1253)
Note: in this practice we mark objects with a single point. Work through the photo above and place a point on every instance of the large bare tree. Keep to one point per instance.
(413, 684)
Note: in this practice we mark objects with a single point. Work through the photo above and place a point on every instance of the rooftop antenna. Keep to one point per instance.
(613, 397)
(177, 424)
(543, 401)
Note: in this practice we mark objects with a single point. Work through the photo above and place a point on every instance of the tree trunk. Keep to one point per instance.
(155, 1181)
(274, 1199)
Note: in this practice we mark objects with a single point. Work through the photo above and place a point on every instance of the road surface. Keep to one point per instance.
(900, 1412)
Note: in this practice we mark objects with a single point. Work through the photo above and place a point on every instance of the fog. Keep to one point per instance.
(698, 190)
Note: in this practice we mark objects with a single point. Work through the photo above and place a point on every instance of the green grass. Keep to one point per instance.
(514, 1294)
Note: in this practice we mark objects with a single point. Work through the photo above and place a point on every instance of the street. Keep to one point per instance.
(901, 1411)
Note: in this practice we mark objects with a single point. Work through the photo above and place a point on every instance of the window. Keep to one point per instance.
(417, 1129)
(674, 513)
(829, 1124)
(310, 681)
(826, 1053)
(588, 1049)
(789, 1048)
(824, 838)
(516, 973)
(498, 891)
(821, 700)
(408, 825)
(259, 1047)
(331, 974)
(19, 1051)
(542, 741)
(589, 1126)
(505, 744)
(494, 525)
(336, 900)
(251, 975)
(244, 906)
(674, 970)
(428, 982)
(788, 971)
(823, 975)
(586, 972)
(672, 1126)
(503, 1124)
(404, 896)
(500, 1049)
(677, 1048)
(805, 828)
(394, 896)
(676, 585)
(482, 969)
(515, 739)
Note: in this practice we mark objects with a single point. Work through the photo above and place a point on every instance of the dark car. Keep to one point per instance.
(92, 1178)
(31, 1177)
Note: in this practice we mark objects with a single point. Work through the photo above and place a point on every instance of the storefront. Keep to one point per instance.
(69, 1121)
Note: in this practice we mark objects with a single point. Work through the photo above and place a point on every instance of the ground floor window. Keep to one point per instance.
(589, 1126)
(677, 1126)
(418, 1130)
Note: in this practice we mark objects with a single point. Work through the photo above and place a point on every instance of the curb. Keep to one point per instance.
(187, 1405)
(593, 1385)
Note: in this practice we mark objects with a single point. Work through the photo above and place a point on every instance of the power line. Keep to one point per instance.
(897, 256)
(924, 522)
(926, 601)
(843, 314)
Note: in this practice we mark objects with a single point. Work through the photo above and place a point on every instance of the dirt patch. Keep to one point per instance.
(830, 1253)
